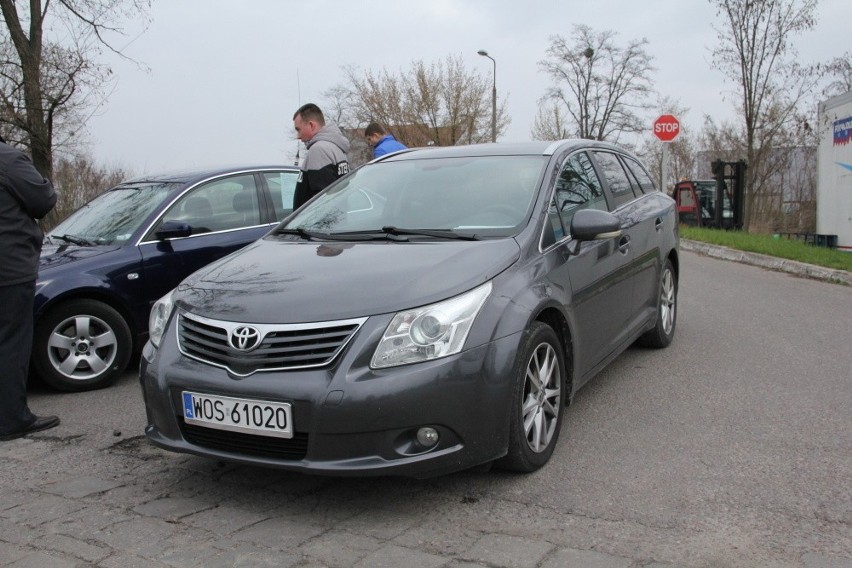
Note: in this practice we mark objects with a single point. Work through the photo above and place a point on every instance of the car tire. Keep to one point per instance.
(664, 328)
(81, 345)
(538, 401)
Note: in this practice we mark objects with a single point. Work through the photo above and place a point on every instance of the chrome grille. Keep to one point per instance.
(281, 347)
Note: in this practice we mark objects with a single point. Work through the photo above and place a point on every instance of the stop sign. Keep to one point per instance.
(666, 127)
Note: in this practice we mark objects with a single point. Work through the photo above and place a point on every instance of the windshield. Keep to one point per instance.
(112, 217)
(486, 196)
(707, 196)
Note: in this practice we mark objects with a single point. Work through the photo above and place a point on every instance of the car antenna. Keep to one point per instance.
(299, 96)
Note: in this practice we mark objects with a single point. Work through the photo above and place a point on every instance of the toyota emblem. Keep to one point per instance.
(244, 338)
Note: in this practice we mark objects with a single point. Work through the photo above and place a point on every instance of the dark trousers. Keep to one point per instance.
(16, 341)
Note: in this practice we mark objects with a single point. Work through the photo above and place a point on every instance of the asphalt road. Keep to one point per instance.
(733, 447)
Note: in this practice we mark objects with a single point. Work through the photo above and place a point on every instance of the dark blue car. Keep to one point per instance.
(104, 266)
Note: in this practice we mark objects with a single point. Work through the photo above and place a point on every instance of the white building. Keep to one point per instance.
(834, 170)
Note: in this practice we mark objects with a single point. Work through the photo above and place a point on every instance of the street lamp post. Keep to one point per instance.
(484, 53)
(588, 53)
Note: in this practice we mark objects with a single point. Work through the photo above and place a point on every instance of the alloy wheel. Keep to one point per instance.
(540, 409)
(82, 347)
(667, 301)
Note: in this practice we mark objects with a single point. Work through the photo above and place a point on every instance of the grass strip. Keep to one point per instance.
(771, 245)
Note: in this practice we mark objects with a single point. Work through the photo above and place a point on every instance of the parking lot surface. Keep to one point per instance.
(730, 448)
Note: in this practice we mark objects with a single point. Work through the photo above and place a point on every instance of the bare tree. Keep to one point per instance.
(839, 73)
(47, 86)
(338, 107)
(78, 179)
(440, 103)
(601, 86)
(787, 173)
(550, 122)
(754, 48)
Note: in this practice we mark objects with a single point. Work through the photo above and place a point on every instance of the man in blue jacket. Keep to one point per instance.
(25, 195)
(382, 142)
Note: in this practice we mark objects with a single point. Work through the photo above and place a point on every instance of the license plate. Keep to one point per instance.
(259, 417)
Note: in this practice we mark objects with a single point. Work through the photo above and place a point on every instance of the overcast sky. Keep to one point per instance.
(225, 77)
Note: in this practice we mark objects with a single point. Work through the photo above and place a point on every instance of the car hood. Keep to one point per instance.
(53, 255)
(276, 281)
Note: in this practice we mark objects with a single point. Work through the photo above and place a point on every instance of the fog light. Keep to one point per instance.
(427, 437)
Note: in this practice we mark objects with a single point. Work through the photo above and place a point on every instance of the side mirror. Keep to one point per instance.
(173, 230)
(593, 224)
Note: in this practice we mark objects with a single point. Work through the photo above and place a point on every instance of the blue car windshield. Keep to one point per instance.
(112, 217)
(486, 196)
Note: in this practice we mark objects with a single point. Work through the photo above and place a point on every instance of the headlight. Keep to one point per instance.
(430, 332)
(159, 317)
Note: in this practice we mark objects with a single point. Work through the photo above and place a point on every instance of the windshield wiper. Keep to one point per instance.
(302, 233)
(339, 236)
(74, 240)
(385, 233)
(437, 233)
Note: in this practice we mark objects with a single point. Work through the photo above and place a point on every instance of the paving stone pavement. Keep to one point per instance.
(95, 493)
(129, 505)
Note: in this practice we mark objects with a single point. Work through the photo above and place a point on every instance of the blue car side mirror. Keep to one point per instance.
(173, 230)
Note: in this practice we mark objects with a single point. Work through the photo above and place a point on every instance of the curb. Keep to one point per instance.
(769, 262)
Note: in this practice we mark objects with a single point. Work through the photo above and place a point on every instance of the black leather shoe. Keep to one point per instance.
(39, 424)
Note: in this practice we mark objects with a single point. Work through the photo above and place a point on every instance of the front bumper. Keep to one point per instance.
(348, 419)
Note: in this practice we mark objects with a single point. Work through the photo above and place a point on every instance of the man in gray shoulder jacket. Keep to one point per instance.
(327, 153)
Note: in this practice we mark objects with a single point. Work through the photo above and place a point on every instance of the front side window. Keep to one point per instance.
(577, 187)
(219, 205)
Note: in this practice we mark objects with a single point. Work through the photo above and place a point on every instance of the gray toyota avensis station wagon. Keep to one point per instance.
(432, 311)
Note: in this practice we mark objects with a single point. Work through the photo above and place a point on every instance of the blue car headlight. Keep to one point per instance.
(429, 332)
(159, 317)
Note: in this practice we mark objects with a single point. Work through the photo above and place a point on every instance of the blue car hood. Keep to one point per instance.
(276, 281)
(53, 255)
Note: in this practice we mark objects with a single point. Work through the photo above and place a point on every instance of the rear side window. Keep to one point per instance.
(282, 186)
(641, 177)
(616, 178)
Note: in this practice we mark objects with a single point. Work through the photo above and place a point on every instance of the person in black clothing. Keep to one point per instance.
(327, 149)
(25, 195)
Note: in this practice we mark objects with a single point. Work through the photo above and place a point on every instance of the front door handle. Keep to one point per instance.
(658, 225)
(624, 244)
